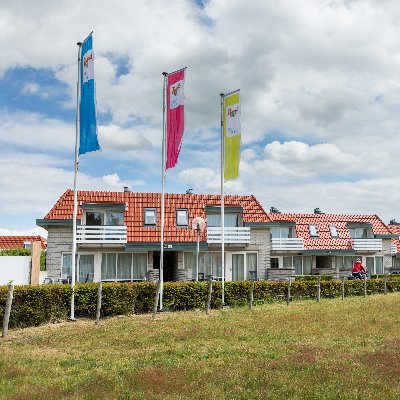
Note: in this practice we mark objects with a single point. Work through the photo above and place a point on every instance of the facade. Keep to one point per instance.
(328, 244)
(395, 229)
(118, 237)
(20, 242)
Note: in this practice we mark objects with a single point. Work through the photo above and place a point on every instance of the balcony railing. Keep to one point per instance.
(367, 244)
(393, 248)
(287, 244)
(231, 235)
(101, 234)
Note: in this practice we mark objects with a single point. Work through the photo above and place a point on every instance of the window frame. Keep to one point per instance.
(332, 230)
(310, 229)
(147, 209)
(186, 224)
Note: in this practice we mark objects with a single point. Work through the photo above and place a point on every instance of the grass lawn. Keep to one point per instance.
(330, 350)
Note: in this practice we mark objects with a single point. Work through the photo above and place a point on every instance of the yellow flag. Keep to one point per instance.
(232, 135)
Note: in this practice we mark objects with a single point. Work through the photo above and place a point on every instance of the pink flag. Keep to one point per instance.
(175, 116)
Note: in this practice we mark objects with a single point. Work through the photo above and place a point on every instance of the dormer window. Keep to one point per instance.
(150, 216)
(360, 230)
(182, 217)
(313, 230)
(334, 232)
(282, 232)
(101, 218)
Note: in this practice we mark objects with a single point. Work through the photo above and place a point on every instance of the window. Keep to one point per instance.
(66, 267)
(182, 217)
(282, 232)
(313, 230)
(101, 218)
(274, 262)
(230, 220)
(379, 265)
(287, 262)
(123, 266)
(210, 263)
(150, 216)
(369, 264)
(361, 233)
(334, 232)
(297, 265)
(251, 263)
(307, 265)
(86, 268)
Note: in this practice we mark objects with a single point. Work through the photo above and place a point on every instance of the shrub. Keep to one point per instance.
(15, 252)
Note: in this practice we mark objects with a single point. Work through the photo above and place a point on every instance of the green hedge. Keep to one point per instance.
(36, 305)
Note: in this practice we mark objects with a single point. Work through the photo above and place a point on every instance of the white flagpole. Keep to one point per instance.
(76, 166)
(222, 200)
(164, 147)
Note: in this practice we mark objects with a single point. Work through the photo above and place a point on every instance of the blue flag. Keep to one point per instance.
(88, 124)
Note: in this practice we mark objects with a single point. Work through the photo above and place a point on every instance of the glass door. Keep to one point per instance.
(238, 267)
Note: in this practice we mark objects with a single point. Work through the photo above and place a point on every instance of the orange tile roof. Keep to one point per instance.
(17, 242)
(395, 229)
(137, 202)
(322, 222)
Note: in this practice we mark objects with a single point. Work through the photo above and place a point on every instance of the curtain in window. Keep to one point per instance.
(108, 266)
(297, 265)
(369, 264)
(307, 265)
(217, 265)
(66, 270)
(379, 265)
(205, 263)
(287, 262)
(237, 267)
(339, 262)
(139, 265)
(115, 218)
(86, 268)
(231, 220)
(251, 262)
(348, 263)
(124, 266)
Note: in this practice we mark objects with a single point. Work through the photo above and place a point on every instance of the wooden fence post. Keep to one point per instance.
(156, 299)
(288, 293)
(99, 293)
(343, 288)
(319, 289)
(209, 294)
(251, 293)
(365, 286)
(7, 310)
(385, 284)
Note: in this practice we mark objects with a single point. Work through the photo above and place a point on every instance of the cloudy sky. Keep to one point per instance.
(320, 89)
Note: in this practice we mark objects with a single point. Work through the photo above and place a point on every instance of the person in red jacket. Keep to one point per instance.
(358, 268)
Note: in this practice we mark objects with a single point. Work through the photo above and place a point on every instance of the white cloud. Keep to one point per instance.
(30, 88)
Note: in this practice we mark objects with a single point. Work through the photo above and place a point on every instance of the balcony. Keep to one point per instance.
(287, 244)
(231, 235)
(109, 235)
(393, 248)
(367, 244)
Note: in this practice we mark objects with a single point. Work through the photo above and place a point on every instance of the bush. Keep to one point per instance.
(314, 277)
(15, 252)
(35, 305)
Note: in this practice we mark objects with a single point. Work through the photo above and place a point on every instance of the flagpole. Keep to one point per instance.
(164, 146)
(76, 166)
(222, 201)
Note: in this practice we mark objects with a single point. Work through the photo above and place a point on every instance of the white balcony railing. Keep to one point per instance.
(367, 244)
(393, 248)
(231, 235)
(101, 234)
(286, 244)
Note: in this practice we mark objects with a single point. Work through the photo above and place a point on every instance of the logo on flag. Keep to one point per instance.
(88, 66)
(233, 120)
(176, 98)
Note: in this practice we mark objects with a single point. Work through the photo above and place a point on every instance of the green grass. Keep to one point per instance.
(330, 350)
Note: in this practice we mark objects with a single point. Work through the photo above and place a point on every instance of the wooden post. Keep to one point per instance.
(385, 284)
(251, 293)
(209, 295)
(156, 299)
(365, 286)
(7, 311)
(288, 292)
(343, 288)
(99, 293)
(35, 267)
(319, 289)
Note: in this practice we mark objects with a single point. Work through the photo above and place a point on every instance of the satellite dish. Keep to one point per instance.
(198, 223)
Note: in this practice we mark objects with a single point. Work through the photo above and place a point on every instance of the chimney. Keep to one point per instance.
(274, 210)
(393, 222)
(126, 189)
(189, 191)
(317, 211)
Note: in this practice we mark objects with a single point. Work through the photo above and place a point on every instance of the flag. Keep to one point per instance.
(232, 135)
(175, 124)
(87, 108)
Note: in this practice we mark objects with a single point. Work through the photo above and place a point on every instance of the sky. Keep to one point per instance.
(320, 98)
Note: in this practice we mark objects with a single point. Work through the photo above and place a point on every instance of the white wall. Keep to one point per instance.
(15, 268)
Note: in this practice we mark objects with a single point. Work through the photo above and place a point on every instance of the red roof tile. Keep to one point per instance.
(17, 242)
(322, 222)
(137, 202)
